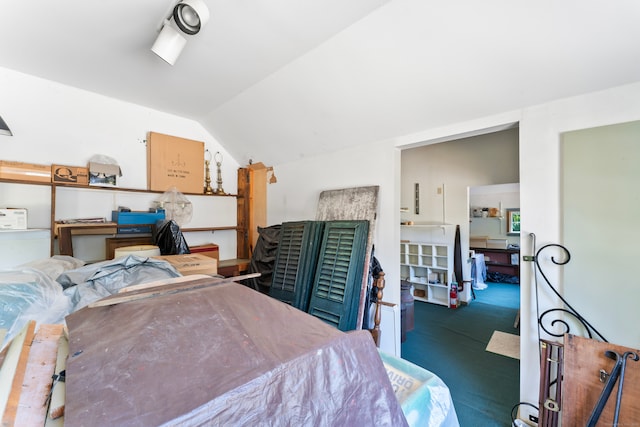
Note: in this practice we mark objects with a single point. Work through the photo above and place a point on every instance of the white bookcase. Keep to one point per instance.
(426, 260)
(429, 267)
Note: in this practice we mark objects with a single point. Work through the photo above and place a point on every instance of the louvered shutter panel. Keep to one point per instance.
(336, 287)
(295, 262)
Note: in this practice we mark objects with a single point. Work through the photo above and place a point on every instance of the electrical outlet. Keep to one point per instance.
(439, 190)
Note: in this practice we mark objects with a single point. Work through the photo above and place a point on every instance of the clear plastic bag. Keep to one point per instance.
(176, 206)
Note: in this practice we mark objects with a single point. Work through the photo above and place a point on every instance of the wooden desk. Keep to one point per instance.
(64, 232)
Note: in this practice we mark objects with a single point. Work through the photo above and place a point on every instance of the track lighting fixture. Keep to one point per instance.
(189, 16)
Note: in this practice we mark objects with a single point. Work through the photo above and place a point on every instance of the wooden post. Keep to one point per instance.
(377, 316)
(242, 240)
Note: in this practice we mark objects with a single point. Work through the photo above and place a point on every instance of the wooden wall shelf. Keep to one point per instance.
(22, 181)
(101, 228)
(91, 187)
(193, 230)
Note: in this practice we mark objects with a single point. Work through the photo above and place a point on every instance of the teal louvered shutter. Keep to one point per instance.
(295, 262)
(338, 279)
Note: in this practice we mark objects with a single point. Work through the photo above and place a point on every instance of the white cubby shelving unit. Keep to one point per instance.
(426, 261)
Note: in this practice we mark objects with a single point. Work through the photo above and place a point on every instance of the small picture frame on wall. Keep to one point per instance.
(513, 221)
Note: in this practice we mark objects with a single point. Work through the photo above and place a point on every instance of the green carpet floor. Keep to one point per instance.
(451, 343)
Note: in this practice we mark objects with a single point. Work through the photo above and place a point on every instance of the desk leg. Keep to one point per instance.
(65, 244)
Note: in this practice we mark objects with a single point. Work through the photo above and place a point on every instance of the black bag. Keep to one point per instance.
(170, 239)
(263, 258)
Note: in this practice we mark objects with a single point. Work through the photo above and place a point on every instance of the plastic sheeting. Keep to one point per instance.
(424, 397)
(26, 295)
(55, 265)
(47, 290)
(95, 281)
(479, 272)
(221, 355)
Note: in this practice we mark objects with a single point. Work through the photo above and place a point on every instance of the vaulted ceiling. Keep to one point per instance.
(277, 80)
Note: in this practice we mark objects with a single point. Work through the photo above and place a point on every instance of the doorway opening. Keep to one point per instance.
(436, 181)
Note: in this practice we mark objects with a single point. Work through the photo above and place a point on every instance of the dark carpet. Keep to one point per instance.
(451, 343)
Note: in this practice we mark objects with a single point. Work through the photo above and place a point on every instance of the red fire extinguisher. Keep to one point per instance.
(453, 296)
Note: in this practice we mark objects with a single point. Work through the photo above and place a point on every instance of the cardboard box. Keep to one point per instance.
(25, 171)
(103, 175)
(268, 171)
(211, 250)
(497, 243)
(419, 293)
(13, 219)
(191, 263)
(72, 175)
(175, 162)
(478, 241)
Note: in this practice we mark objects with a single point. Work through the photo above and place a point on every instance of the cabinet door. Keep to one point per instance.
(336, 288)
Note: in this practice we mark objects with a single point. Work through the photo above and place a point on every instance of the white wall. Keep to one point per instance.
(500, 196)
(540, 130)
(295, 197)
(53, 123)
(600, 201)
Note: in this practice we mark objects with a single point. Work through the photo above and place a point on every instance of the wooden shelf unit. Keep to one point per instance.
(55, 186)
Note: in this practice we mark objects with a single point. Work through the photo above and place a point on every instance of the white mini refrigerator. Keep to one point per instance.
(18, 247)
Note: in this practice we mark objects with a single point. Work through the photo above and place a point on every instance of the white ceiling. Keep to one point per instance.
(277, 80)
